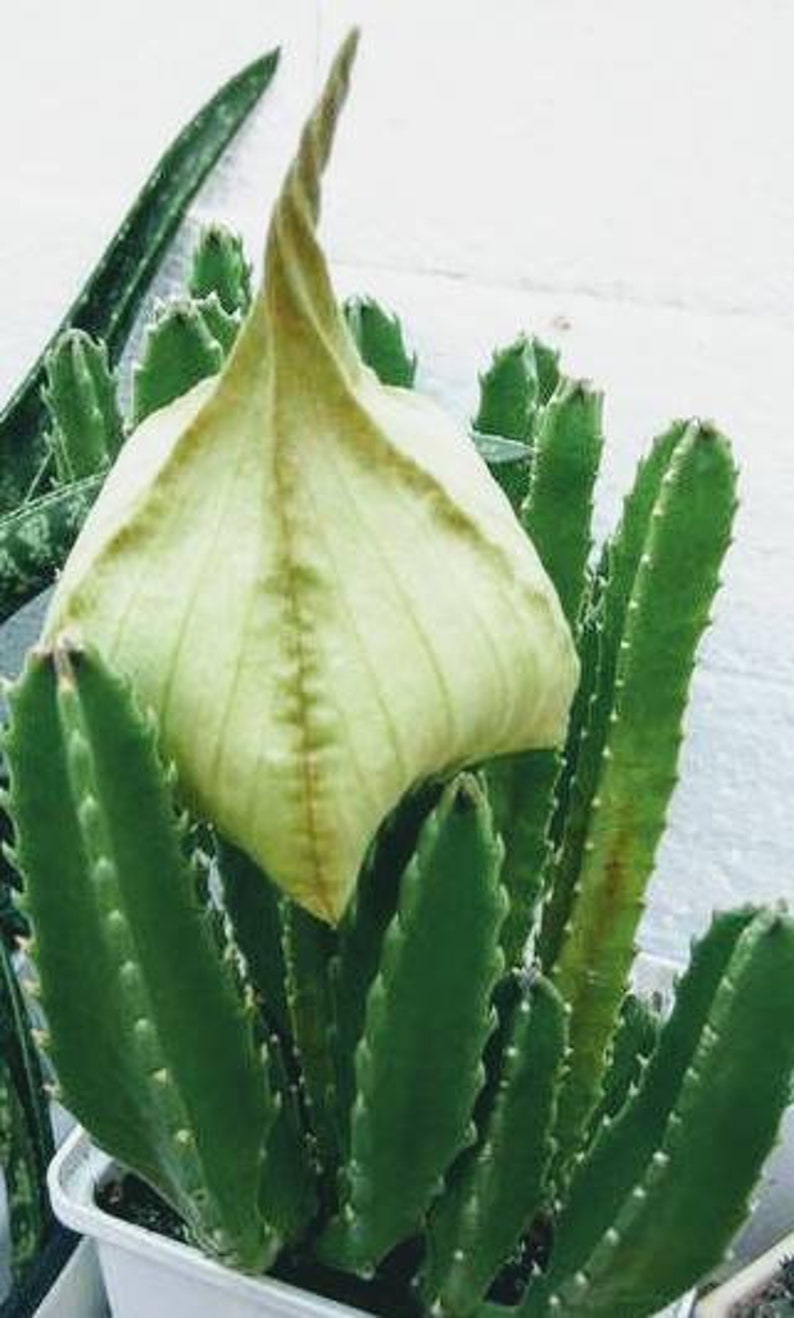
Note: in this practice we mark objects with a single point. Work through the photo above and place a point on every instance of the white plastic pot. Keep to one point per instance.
(148, 1276)
(78, 1291)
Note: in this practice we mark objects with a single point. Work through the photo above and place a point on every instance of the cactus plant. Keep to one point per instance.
(446, 1090)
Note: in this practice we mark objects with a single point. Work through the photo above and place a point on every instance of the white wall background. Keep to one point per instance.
(617, 177)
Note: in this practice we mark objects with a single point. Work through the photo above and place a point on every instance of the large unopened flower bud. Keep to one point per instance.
(313, 580)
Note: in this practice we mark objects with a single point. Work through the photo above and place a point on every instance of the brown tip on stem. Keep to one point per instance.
(65, 649)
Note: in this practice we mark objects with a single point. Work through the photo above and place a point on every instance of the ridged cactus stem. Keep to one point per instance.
(508, 408)
(80, 395)
(179, 351)
(667, 1185)
(635, 1040)
(379, 339)
(357, 958)
(667, 610)
(509, 391)
(427, 1021)
(190, 336)
(557, 513)
(163, 1069)
(255, 908)
(558, 509)
(494, 1192)
(309, 945)
(219, 266)
(626, 1141)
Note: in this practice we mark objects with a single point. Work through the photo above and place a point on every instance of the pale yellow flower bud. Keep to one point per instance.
(313, 580)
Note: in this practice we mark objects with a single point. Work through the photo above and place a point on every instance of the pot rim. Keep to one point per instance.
(79, 1168)
(74, 1175)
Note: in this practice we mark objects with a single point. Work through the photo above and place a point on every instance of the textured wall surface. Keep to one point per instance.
(618, 178)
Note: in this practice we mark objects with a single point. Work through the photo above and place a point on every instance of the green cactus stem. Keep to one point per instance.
(514, 390)
(173, 1083)
(569, 778)
(223, 327)
(179, 351)
(378, 335)
(509, 391)
(190, 336)
(255, 908)
(219, 266)
(309, 945)
(361, 932)
(109, 301)
(557, 514)
(35, 540)
(624, 1147)
(680, 1162)
(547, 367)
(507, 411)
(497, 1187)
(558, 510)
(80, 396)
(428, 1017)
(666, 613)
(601, 635)
(289, 1193)
(635, 1040)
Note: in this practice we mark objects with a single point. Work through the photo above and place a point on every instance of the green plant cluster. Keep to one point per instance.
(452, 1103)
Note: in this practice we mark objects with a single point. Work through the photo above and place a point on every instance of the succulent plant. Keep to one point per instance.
(446, 1099)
